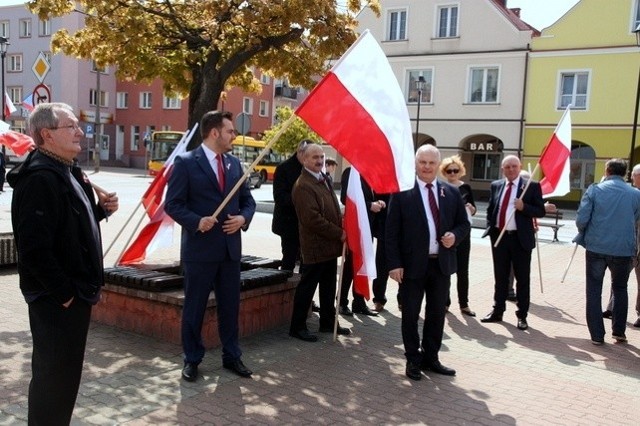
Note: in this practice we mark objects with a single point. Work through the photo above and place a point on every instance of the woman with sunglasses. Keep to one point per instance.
(452, 168)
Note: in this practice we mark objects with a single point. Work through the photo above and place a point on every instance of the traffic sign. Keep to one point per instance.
(88, 130)
(41, 94)
(243, 123)
(41, 67)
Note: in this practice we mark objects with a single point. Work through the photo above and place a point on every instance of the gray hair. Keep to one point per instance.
(636, 170)
(428, 148)
(45, 116)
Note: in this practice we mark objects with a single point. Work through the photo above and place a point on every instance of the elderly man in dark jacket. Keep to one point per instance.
(55, 223)
(321, 238)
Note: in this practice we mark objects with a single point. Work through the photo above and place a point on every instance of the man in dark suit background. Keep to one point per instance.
(514, 249)
(211, 247)
(423, 227)
(285, 220)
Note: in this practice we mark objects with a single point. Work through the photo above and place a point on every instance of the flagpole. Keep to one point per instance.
(539, 264)
(575, 248)
(126, 245)
(244, 177)
(513, 212)
(339, 290)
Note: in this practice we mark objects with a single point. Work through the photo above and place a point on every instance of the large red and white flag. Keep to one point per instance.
(153, 196)
(158, 232)
(555, 160)
(9, 107)
(359, 108)
(356, 224)
(18, 142)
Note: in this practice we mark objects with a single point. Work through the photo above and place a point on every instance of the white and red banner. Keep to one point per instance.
(18, 142)
(555, 160)
(356, 224)
(9, 107)
(359, 108)
(27, 103)
(158, 232)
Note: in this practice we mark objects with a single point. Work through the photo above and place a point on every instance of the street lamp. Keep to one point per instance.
(420, 84)
(635, 115)
(4, 42)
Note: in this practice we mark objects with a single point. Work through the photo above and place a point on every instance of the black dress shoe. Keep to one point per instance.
(365, 311)
(190, 371)
(607, 314)
(522, 324)
(467, 311)
(637, 323)
(492, 316)
(413, 371)
(342, 331)
(344, 310)
(512, 297)
(304, 335)
(315, 307)
(238, 367)
(438, 368)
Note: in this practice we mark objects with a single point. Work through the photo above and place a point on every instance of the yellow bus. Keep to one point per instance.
(247, 149)
(161, 146)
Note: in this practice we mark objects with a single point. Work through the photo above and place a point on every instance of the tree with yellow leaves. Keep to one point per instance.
(200, 47)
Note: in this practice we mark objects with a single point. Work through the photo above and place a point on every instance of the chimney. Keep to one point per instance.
(516, 11)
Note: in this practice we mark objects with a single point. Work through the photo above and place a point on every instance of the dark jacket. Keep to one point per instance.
(57, 254)
(320, 220)
(285, 220)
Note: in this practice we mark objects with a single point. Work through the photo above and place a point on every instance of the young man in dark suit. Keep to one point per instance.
(424, 225)
(514, 212)
(211, 246)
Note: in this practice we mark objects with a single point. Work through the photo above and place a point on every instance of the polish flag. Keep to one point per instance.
(9, 107)
(27, 103)
(156, 234)
(154, 195)
(555, 160)
(356, 224)
(359, 108)
(18, 142)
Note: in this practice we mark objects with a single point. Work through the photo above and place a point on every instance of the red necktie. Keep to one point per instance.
(434, 209)
(502, 218)
(220, 172)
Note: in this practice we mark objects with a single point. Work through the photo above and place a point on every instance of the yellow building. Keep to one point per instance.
(589, 59)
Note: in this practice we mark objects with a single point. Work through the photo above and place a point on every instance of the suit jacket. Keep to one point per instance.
(319, 219)
(285, 220)
(193, 193)
(533, 207)
(407, 230)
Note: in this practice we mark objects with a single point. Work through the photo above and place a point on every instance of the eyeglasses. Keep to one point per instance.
(452, 171)
(74, 127)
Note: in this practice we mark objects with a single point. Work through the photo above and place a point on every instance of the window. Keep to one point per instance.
(15, 94)
(265, 79)
(447, 21)
(171, 103)
(486, 166)
(44, 28)
(104, 99)
(4, 29)
(573, 90)
(484, 85)
(397, 21)
(582, 168)
(636, 16)
(145, 100)
(15, 63)
(247, 105)
(25, 28)
(412, 89)
(264, 109)
(135, 138)
(122, 100)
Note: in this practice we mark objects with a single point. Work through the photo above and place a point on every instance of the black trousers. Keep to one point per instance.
(379, 285)
(59, 340)
(435, 288)
(290, 251)
(463, 252)
(510, 254)
(314, 274)
(347, 280)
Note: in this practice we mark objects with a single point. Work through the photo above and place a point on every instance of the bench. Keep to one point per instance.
(556, 215)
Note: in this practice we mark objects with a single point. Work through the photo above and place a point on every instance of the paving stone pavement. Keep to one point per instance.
(549, 374)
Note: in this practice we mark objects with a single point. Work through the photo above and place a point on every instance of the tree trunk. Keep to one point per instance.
(204, 95)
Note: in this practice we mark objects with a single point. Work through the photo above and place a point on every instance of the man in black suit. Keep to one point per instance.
(424, 225)
(511, 210)
(285, 220)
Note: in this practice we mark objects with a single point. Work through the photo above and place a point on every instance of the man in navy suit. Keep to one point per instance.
(424, 225)
(211, 246)
(508, 210)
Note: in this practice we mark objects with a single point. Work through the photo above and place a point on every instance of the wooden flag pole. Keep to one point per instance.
(339, 290)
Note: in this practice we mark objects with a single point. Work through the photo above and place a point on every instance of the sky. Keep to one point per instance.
(538, 13)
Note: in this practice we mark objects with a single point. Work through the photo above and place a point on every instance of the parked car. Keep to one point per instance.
(254, 179)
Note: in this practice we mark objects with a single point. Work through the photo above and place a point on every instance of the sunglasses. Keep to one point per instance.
(452, 171)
